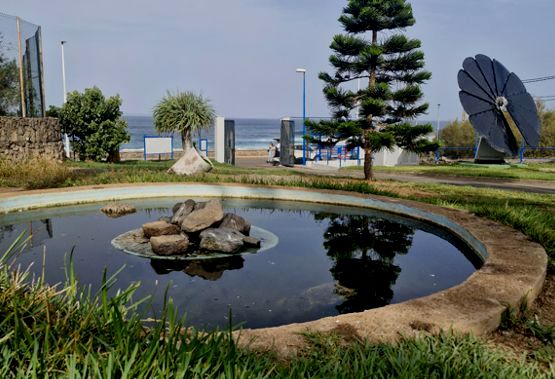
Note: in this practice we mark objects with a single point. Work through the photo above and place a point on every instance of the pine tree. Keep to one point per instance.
(373, 51)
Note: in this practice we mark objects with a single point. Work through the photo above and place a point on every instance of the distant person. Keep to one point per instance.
(271, 152)
(278, 149)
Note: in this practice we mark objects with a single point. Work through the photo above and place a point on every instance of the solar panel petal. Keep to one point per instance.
(473, 105)
(470, 86)
(522, 109)
(488, 92)
(471, 68)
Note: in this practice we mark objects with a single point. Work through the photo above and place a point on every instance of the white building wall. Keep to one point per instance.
(395, 157)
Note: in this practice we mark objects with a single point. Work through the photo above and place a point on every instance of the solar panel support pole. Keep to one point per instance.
(485, 153)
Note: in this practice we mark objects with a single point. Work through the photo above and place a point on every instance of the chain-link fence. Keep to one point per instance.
(21, 74)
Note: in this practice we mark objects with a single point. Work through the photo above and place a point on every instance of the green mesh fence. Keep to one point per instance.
(21, 74)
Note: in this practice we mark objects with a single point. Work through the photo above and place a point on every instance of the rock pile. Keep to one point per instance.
(199, 226)
(118, 210)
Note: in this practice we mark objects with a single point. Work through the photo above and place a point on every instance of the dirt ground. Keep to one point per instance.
(518, 339)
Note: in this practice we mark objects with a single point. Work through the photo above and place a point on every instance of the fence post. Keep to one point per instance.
(19, 59)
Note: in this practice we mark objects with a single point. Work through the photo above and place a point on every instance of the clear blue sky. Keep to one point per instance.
(242, 54)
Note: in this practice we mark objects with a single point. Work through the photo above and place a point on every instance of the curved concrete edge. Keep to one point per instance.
(514, 268)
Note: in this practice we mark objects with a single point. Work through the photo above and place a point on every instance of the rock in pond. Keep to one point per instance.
(200, 219)
(251, 241)
(233, 221)
(170, 244)
(159, 228)
(183, 211)
(223, 240)
(118, 210)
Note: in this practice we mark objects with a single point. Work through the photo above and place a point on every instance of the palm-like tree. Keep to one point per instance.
(185, 112)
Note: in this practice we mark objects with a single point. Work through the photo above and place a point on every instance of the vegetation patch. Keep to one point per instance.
(531, 171)
(37, 320)
(34, 173)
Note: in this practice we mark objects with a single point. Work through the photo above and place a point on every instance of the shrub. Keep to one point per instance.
(94, 124)
(34, 173)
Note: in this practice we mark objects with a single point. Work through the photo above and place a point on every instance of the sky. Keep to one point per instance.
(242, 54)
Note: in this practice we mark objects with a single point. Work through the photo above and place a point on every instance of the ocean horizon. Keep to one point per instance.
(250, 133)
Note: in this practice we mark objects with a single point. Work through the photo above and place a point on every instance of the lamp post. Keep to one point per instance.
(66, 138)
(303, 71)
(437, 125)
(437, 134)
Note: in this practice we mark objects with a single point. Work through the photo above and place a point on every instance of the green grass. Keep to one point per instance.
(529, 172)
(533, 214)
(63, 332)
(34, 173)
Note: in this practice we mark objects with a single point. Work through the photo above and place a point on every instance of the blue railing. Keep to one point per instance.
(521, 153)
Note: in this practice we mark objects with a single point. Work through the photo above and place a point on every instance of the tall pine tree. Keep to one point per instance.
(391, 66)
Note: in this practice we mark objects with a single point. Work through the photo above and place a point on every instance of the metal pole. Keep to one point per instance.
(438, 152)
(437, 128)
(304, 118)
(19, 58)
(66, 138)
(303, 71)
(64, 72)
(41, 76)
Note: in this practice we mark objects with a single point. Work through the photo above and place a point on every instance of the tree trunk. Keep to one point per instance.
(114, 156)
(368, 173)
(191, 162)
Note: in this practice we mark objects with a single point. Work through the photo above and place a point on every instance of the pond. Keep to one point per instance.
(328, 260)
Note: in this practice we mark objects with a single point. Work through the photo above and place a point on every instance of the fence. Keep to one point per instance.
(458, 152)
(21, 72)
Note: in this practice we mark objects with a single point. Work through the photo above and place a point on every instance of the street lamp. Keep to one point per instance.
(303, 71)
(66, 138)
(437, 128)
(438, 153)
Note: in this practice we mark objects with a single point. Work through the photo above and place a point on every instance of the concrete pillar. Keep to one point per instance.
(287, 142)
(219, 139)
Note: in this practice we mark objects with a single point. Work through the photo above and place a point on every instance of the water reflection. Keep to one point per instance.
(363, 249)
(345, 260)
(37, 231)
(208, 269)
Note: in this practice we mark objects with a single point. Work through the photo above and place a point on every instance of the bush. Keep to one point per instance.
(94, 124)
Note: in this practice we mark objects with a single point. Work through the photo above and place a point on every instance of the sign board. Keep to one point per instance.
(158, 145)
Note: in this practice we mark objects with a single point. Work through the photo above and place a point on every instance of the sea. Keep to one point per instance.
(250, 133)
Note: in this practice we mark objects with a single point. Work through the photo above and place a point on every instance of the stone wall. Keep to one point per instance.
(25, 137)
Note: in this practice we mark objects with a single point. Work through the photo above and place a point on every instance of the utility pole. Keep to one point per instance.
(438, 152)
(66, 138)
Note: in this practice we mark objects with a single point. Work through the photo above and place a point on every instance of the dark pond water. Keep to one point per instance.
(329, 260)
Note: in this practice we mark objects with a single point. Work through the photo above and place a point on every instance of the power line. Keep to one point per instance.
(540, 79)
